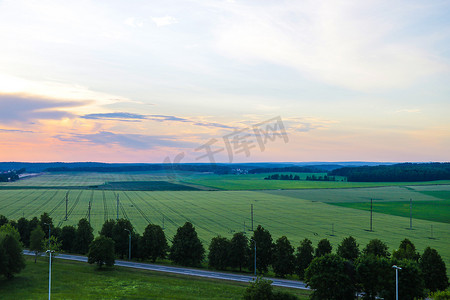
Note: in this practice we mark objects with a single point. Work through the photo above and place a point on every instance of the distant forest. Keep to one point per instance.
(286, 169)
(399, 172)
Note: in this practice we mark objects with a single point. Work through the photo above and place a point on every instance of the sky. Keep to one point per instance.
(224, 81)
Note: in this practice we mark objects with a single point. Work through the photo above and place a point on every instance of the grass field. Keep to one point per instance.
(257, 182)
(298, 214)
(75, 280)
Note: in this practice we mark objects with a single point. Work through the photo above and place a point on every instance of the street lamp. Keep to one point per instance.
(396, 280)
(50, 273)
(129, 244)
(254, 242)
(49, 233)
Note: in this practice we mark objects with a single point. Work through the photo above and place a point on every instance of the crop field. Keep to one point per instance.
(257, 182)
(298, 214)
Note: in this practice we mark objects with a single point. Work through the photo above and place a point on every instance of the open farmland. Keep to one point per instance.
(257, 182)
(294, 213)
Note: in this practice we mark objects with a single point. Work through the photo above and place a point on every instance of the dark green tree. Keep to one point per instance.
(239, 250)
(3, 220)
(101, 251)
(12, 260)
(410, 281)
(24, 230)
(264, 250)
(219, 253)
(371, 274)
(348, 249)
(33, 223)
(406, 250)
(84, 236)
(43, 221)
(377, 248)
(259, 289)
(154, 243)
(121, 236)
(107, 228)
(303, 257)
(68, 234)
(283, 257)
(330, 277)
(434, 270)
(37, 241)
(187, 248)
(323, 247)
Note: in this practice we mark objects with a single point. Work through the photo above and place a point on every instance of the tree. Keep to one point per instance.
(371, 273)
(24, 230)
(83, 237)
(259, 289)
(219, 253)
(107, 228)
(407, 250)
(238, 250)
(329, 276)
(68, 234)
(37, 241)
(154, 243)
(44, 222)
(434, 270)
(120, 235)
(101, 251)
(304, 256)
(410, 281)
(186, 246)
(323, 247)
(377, 248)
(348, 249)
(264, 249)
(283, 257)
(3, 220)
(12, 260)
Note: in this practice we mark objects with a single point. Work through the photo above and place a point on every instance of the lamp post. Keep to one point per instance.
(49, 233)
(129, 244)
(50, 273)
(396, 280)
(254, 242)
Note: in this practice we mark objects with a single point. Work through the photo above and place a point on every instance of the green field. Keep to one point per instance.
(75, 280)
(298, 214)
(257, 182)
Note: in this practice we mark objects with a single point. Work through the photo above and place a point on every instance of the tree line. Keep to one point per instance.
(11, 175)
(338, 275)
(398, 172)
(296, 177)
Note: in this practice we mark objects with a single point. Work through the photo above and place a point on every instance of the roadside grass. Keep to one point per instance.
(75, 280)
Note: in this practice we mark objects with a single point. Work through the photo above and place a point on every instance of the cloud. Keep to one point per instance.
(132, 141)
(119, 116)
(132, 117)
(133, 22)
(164, 21)
(27, 108)
(16, 130)
(351, 44)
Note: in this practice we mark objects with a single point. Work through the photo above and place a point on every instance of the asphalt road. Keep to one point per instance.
(189, 272)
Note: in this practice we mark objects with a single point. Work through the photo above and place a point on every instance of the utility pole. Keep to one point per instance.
(410, 213)
(252, 215)
(49, 234)
(129, 244)
(371, 207)
(89, 212)
(117, 218)
(254, 242)
(50, 274)
(67, 202)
